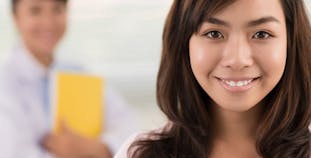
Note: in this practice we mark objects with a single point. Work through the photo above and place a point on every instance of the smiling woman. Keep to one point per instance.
(240, 59)
(234, 81)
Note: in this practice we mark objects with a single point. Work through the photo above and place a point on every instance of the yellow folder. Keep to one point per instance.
(78, 100)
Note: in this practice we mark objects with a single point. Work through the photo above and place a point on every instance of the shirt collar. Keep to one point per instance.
(25, 64)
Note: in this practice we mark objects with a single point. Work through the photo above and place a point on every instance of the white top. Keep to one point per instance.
(123, 151)
(24, 118)
(144, 135)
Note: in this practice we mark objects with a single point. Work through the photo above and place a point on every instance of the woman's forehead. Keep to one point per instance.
(246, 11)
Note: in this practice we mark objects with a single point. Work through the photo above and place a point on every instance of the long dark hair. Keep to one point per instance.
(283, 129)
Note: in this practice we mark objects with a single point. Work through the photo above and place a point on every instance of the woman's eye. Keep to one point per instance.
(214, 35)
(262, 35)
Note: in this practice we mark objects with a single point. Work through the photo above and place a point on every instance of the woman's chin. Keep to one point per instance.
(236, 107)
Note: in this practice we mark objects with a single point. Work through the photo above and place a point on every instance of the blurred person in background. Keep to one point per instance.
(24, 118)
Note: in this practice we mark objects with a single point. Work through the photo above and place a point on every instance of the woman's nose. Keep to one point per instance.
(237, 54)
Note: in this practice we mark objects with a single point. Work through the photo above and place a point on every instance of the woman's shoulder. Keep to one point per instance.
(124, 151)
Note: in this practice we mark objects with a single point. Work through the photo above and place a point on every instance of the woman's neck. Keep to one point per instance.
(230, 125)
(235, 132)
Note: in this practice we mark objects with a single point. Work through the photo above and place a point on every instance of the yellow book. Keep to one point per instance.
(78, 102)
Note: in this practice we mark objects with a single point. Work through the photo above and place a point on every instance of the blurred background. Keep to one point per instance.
(118, 39)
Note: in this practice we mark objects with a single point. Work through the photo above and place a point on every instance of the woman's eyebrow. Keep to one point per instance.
(251, 23)
(262, 21)
(216, 21)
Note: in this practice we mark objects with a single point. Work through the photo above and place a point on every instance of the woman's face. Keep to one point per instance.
(41, 23)
(238, 55)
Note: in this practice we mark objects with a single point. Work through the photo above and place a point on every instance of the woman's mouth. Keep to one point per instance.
(238, 84)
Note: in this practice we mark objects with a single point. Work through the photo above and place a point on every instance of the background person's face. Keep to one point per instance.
(41, 23)
(239, 56)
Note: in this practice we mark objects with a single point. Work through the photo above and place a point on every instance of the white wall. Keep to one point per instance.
(308, 3)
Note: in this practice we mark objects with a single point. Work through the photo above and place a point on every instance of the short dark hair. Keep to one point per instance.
(14, 3)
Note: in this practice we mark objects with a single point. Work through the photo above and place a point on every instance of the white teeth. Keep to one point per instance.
(237, 84)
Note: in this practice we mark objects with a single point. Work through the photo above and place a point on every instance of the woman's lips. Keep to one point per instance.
(237, 84)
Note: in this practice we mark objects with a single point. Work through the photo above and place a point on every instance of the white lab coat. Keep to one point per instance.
(23, 119)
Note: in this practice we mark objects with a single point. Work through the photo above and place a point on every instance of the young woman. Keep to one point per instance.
(234, 82)
(24, 104)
